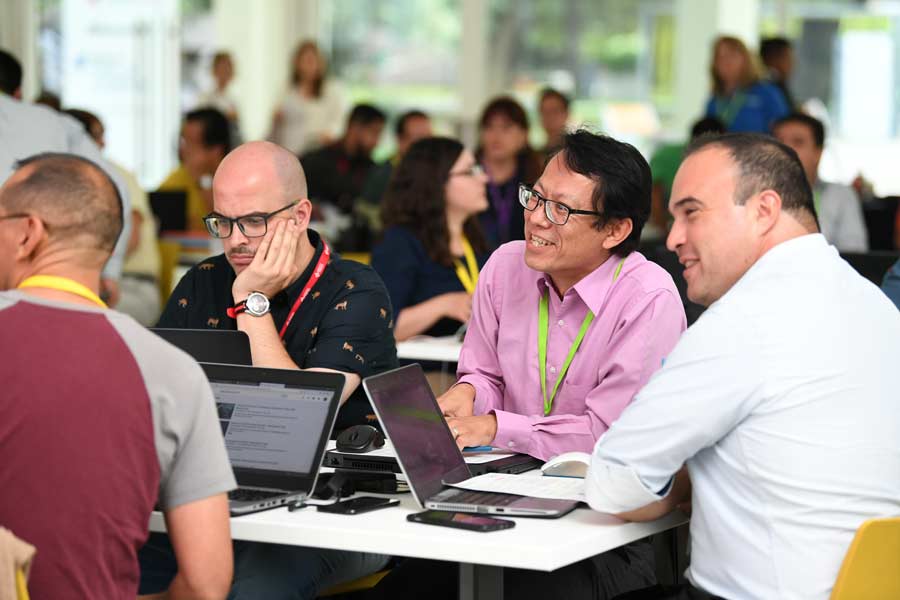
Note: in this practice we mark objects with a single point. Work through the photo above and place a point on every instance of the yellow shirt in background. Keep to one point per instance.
(180, 180)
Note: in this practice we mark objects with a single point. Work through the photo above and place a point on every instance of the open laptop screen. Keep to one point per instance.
(409, 413)
(276, 423)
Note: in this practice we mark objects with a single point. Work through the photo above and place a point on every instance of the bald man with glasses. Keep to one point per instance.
(303, 307)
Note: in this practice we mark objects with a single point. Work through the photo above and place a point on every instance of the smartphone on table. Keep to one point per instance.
(355, 506)
(460, 520)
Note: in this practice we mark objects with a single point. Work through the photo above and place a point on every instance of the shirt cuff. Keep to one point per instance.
(486, 395)
(614, 489)
(513, 431)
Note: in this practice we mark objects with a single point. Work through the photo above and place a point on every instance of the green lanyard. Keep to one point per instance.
(543, 331)
(728, 111)
(817, 203)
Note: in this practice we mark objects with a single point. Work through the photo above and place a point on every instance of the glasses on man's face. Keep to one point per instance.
(475, 170)
(14, 216)
(252, 225)
(557, 212)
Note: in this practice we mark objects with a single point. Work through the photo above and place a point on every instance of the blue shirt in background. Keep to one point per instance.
(411, 277)
(752, 109)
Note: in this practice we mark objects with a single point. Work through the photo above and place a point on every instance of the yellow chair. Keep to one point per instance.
(357, 585)
(360, 257)
(871, 568)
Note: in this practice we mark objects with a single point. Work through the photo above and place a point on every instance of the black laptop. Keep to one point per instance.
(428, 454)
(276, 424)
(210, 345)
(170, 210)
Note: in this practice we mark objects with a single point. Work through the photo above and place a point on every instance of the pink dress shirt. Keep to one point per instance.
(638, 320)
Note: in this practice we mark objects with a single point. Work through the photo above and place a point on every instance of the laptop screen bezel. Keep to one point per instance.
(421, 491)
(283, 480)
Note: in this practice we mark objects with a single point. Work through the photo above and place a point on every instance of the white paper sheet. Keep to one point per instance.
(560, 488)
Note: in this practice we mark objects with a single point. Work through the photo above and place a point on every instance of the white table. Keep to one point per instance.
(440, 349)
(538, 544)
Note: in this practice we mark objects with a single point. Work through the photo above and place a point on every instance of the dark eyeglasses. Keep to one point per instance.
(557, 212)
(15, 216)
(252, 225)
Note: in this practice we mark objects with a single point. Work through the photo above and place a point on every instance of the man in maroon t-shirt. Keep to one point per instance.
(101, 419)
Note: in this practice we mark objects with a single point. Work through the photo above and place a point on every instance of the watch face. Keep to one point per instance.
(257, 304)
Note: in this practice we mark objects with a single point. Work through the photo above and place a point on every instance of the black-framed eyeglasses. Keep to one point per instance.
(252, 225)
(475, 170)
(557, 212)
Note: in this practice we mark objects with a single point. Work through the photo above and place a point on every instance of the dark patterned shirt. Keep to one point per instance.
(345, 323)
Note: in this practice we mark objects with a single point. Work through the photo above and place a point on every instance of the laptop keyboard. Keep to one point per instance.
(246, 495)
(483, 498)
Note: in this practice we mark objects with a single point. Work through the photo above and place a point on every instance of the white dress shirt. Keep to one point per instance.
(841, 217)
(29, 129)
(784, 401)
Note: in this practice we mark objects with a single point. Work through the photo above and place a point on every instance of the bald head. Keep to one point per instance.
(75, 199)
(261, 167)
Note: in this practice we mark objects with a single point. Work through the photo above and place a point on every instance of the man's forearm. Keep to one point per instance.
(681, 491)
(265, 344)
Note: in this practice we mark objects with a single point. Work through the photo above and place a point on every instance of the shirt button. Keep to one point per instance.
(511, 444)
(553, 369)
(561, 322)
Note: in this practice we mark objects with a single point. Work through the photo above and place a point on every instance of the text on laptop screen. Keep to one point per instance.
(271, 426)
(417, 430)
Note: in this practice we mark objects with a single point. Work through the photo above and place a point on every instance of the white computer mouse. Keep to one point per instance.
(568, 464)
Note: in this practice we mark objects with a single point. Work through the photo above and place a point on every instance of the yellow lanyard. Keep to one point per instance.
(467, 276)
(63, 284)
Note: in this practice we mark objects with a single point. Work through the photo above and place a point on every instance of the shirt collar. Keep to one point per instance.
(593, 287)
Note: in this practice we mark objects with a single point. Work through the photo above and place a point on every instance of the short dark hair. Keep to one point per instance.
(400, 126)
(773, 47)
(415, 198)
(77, 196)
(622, 181)
(86, 118)
(764, 163)
(10, 73)
(220, 56)
(707, 126)
(816, 127)
(549, 92)
(365, 114)
(216, 129)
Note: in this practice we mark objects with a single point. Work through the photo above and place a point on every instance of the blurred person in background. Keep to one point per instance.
(433, 247)
(204, 141)
(411, 126)
(26, 129)
(219, 97)
(742, 101)
(553, 107)
(508, 160)
(337, 172)
(139, 286)
(311, 112)
(837, 206)
(777, 55)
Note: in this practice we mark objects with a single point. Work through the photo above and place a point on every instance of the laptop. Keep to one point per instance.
(379, 463)
(276, 424)
(210, 345)
(428, 454)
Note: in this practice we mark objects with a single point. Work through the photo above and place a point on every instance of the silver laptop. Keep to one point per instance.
(428, 454)
(276, 424)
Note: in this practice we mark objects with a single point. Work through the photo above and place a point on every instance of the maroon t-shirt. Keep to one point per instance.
(79, 472)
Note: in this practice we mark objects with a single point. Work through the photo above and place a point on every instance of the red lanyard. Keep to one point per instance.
(313, 279)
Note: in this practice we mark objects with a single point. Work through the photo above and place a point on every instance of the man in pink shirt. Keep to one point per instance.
(579, 268)
(583, 221)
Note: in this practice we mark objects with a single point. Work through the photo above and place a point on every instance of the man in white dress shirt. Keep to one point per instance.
(29, 129)
(781, 400)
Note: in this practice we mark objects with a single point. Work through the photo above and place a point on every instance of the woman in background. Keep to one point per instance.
(433, 247)
(508, 160)
(740, 100)
(310, 113)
